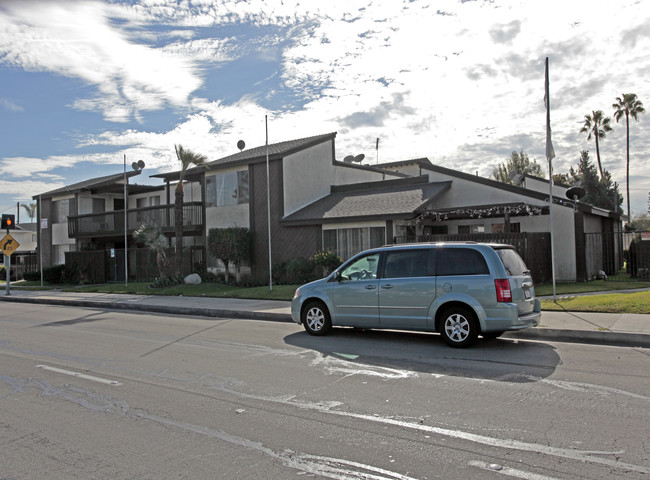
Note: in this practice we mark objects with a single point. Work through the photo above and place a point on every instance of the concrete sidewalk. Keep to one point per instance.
(599, 328)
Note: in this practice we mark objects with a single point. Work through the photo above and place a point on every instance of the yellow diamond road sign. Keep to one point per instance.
(9, 245)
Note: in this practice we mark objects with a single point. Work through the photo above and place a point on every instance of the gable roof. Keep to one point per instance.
(105, 183)
(254, 155)
(401, 198)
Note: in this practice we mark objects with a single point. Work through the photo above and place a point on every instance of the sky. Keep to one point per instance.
(84, 83)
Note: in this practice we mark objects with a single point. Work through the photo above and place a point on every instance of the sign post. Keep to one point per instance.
(9, 245)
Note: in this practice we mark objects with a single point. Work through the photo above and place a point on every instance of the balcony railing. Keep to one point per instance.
(111, 224)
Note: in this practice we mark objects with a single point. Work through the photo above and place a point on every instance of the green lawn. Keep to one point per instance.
(279, 292)
(638, 302)
(586, 287)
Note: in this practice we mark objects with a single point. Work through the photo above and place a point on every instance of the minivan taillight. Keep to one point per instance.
(503, 290)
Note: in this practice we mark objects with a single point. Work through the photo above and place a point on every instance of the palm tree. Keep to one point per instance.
(153, 239)
(597, 124)
(30, 209)
(187, 158)
(629, 105)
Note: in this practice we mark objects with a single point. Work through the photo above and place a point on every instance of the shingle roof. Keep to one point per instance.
(256, 154)
(89, 184)
(386, 199)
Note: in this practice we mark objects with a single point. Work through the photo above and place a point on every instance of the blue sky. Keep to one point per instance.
(460, 82)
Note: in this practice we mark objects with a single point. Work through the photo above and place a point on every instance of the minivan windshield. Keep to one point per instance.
(515, 266)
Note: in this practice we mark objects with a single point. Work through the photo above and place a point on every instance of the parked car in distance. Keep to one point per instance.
(459, 289)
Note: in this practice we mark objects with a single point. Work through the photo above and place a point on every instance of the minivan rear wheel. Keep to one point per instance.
(458, 327)
(316, 318)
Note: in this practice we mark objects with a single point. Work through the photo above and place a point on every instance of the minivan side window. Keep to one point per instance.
(409, 263)
(513, 262)
(461, 261)
(363, 268)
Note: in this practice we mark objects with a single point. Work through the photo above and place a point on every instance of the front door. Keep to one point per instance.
(355, 295)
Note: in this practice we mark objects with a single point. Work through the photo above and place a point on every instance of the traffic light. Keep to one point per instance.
(8, 221)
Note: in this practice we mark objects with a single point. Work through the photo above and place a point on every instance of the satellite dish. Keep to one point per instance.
(359, 158)
(241, 144)
(349, 159)
(140, 164)
(134, 166)
(575, 193)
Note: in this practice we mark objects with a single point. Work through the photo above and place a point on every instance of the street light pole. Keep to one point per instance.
(126, 261)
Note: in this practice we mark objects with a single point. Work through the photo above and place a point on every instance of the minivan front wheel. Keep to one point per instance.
(458, 327)
(316, 319)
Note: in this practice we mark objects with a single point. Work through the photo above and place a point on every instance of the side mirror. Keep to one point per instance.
(337, 276)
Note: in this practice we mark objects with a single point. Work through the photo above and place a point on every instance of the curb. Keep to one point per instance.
(193, 311)
(619, 339)
(607, 337)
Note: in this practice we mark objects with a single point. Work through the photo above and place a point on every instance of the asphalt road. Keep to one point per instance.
(90, 393)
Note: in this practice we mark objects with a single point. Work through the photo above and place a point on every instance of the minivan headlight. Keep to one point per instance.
(295, 295)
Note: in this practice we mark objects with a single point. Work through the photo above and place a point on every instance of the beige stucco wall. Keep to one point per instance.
(542, 187)
(307, 176)
(465, 193)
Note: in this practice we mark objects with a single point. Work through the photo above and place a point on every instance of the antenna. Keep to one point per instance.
(241, 145)
(137, 166)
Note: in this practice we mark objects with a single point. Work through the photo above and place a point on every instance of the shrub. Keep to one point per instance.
(54, 274)
(300, 270)
(32, 276)
(167, 282)
(328, 260)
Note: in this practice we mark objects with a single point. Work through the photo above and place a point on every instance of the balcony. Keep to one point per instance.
(111, 224)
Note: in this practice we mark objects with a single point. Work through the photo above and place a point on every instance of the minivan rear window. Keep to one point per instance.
(460, 261)
(515, 266)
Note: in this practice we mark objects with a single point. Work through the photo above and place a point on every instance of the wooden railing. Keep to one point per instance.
(110, 224)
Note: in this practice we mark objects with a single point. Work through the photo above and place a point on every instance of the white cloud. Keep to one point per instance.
(459, 82)
(11, 106)
(77, 39)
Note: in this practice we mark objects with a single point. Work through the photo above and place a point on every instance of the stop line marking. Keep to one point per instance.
(92, 378)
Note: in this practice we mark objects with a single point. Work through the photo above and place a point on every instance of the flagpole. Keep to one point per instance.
(268, 199)
(550, 154)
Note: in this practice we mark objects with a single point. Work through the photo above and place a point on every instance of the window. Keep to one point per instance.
(227, 189)
(513, 262)
(363, 268)
(467, 229)
(460, 261)
(61, 210)
(410, 263)
(346, 242)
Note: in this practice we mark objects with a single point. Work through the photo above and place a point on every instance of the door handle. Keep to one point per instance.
(388, 285)
(527, 285)
(370, 287)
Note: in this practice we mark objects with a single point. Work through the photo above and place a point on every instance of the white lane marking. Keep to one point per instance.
(318, 465)
(80, 375)
(510, 472)
(571, 386)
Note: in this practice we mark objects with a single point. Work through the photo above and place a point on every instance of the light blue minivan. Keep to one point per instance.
(461, 290)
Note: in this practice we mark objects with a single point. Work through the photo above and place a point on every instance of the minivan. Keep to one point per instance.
(459, 289)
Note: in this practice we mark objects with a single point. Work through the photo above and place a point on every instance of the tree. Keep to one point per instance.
(517, 163)
(628, 105)
(599, 192)
(31, 209)
(597, 124)
(153, 239)
(187, 158)
(639, 223)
